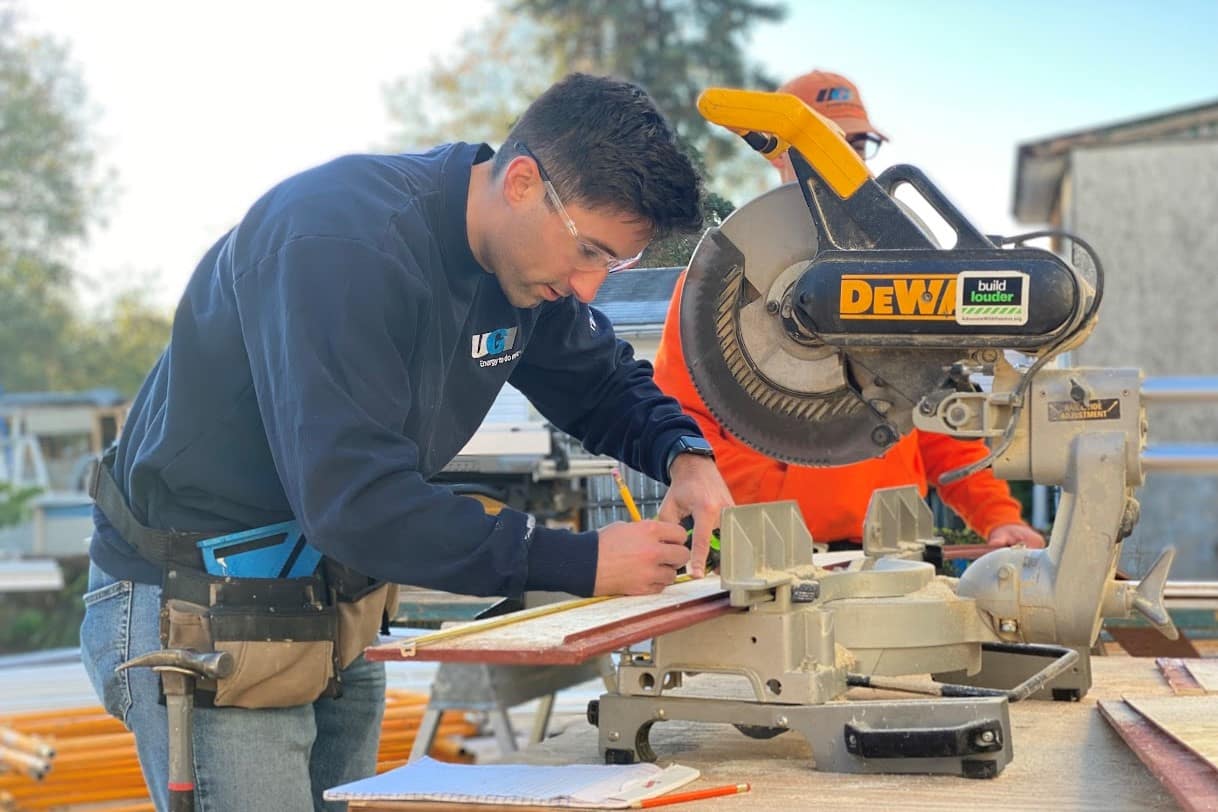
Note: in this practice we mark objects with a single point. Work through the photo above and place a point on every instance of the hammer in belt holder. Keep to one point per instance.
(281, 633)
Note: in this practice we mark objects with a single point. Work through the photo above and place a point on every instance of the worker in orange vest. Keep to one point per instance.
(834, 500)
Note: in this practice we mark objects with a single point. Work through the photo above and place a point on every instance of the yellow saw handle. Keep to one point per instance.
(793, 124)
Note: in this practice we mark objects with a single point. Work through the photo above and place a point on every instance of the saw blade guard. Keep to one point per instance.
(773, 348)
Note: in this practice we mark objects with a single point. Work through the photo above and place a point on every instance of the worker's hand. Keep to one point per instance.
(1010, 535)
(639, 558)
(697, 490)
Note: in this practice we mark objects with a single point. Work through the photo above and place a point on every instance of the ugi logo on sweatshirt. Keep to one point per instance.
(495, 343)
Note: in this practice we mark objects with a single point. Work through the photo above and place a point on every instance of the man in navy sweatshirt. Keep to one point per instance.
(338, 348)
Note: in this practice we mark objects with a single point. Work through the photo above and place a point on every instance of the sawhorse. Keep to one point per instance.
(495, 689)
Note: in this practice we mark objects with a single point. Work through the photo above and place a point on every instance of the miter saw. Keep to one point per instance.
(820, 324)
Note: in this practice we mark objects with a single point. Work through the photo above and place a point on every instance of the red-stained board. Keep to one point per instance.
(575, 635)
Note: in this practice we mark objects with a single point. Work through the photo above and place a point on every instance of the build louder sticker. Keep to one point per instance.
(992, 297)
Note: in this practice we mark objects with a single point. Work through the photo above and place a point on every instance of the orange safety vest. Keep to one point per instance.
(834, 500)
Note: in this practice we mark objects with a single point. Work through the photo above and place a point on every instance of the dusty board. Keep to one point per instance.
(1190, 779)
(1181, 680)
(1187, 719)
(1205, 672)
(573, 636)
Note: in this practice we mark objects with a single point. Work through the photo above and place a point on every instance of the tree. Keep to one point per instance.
(47, 192)
(118, 346)
(50, 194)
(46, 196)
(476, 93)
(35, 312)
(673, 48)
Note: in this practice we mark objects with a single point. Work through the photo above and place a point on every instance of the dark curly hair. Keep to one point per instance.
(605, 145)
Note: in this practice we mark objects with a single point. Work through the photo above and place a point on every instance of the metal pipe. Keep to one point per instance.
(1187, 589)
(1180, 389)
(1181, 458)
(1060, 658)
(1040, 506)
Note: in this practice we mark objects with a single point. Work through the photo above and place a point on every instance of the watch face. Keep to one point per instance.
(697, 445)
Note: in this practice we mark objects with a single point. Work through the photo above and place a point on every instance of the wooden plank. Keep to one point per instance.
(1204, 672)
(1178, 676)
(1190, 779)
(577, 634)
(1187, 719)
(1145, 641)
(965, 552)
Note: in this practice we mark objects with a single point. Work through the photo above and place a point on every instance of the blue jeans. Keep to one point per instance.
(258, 760)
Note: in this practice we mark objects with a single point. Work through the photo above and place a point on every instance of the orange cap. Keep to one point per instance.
(834, 97)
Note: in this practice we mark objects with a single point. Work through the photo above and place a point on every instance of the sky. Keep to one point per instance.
(201, 107)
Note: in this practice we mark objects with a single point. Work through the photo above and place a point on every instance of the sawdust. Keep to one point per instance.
(843, 657)
(937, 590)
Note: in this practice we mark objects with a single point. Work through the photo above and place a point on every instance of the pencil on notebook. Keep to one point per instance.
(694, 795)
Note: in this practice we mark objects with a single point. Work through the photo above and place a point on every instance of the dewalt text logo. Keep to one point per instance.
(898, 297)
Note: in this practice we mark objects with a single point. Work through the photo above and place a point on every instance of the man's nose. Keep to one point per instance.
(585, 284)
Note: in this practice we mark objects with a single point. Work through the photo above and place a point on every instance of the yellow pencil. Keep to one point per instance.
(696, 795)
(626, 497)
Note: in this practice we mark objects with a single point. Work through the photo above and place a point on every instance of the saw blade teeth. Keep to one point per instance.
(729, 369)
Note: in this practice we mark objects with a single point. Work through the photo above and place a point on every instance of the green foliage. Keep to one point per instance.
(674, 48)
(675, 250)
(477, 91)
(15, 503)
(50, 194)
(35, 313)
(117, 347)
(952, 535)
(31, 621)
(46, 162)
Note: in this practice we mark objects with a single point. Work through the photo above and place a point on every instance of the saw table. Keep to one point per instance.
(1067, 757)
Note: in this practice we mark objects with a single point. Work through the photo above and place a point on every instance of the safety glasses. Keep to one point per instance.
(593, 257)
(865, 144)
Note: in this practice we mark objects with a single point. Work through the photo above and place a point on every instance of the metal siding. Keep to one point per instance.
(1150, 210)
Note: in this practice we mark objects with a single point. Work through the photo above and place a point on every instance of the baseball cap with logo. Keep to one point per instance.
(834, 97)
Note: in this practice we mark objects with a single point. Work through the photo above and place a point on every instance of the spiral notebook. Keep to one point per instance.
(580, 786)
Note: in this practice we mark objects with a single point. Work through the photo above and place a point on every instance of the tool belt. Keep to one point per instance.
(289, 637)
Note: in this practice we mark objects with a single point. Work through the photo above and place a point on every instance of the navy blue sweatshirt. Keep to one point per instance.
(337, 349)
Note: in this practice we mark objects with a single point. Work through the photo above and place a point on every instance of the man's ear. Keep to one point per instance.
(521, 181)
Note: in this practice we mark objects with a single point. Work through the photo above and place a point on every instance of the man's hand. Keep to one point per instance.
(1009, 535)
(639, 558)
(699, 491)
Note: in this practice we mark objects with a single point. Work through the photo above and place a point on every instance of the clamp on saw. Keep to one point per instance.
(820, 324)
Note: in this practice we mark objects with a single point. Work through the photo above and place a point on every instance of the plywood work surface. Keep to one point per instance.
(1066, 757)
(574, 635)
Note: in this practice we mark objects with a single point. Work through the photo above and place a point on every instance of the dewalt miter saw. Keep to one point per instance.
(820, 324)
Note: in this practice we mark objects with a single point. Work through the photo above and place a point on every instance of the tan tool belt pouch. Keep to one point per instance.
(288, 637)
(365, 606)
(360, 620)
(280, 632)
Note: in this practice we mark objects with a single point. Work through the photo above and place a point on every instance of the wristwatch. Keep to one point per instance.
(688, 444)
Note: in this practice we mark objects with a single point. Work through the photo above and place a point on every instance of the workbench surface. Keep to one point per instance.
(1066, 757)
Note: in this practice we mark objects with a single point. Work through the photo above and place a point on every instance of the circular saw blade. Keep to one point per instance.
(793, 400)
